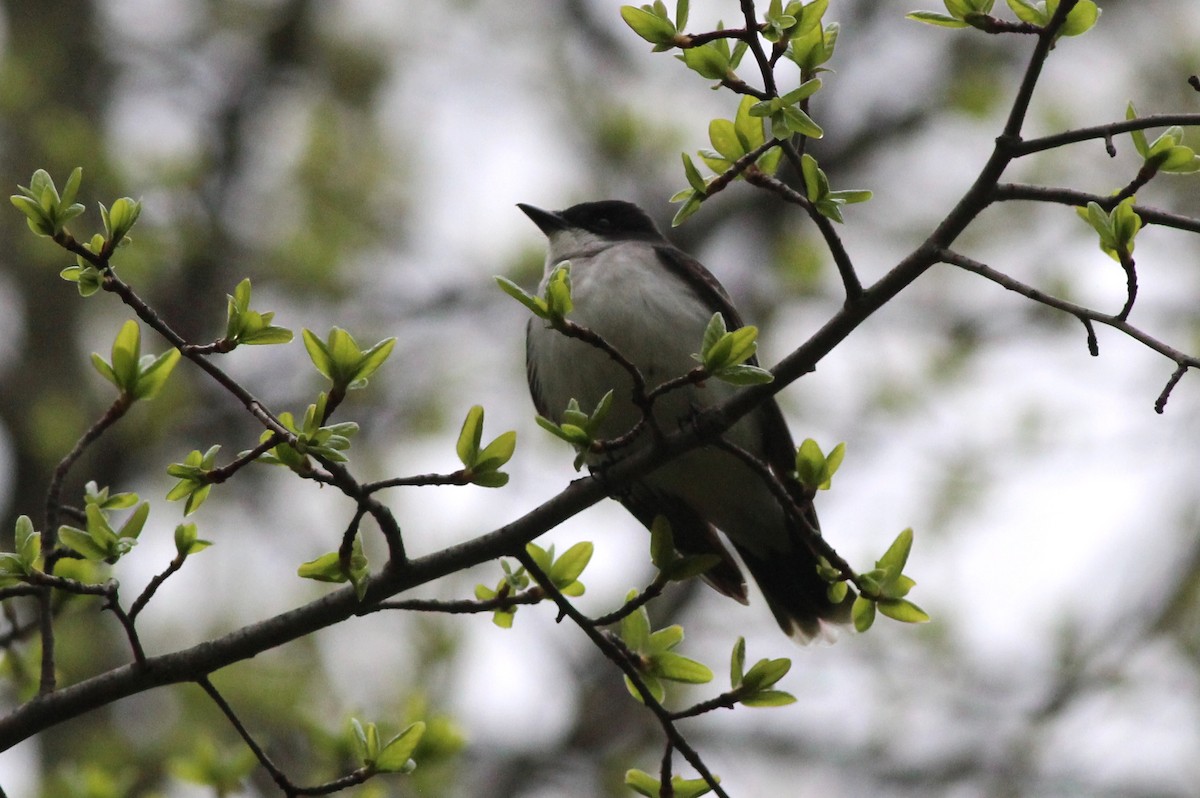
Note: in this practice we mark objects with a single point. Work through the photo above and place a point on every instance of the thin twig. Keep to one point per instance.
(1067, 196)
(54, 493)
(1160, 404)
(614, 653)
(1106, 131)
(152, 587)
(463, 607)
(457, 478)
(850, 282)
(652, 591)
(1033, 71)
(1085, 314)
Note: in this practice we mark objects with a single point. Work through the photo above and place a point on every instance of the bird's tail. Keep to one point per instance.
(797, 595)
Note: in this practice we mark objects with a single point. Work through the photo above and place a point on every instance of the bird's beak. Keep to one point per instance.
(548, 222)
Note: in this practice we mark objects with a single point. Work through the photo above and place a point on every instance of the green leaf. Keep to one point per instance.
(811, 470)
(691, 204)
(1081, 19)
(120, 219)
(187, 542)
(662, 544)
(570, 565)
(724, 137)
(542, 558)
(765, 673)
(469, 436)
(713, 332)
(749, 128)
(805, 90)
(152, 377)
(744, 375)
(707, 60)
(1027, 11)
(693, 175)
(851, 196)
(635, 627)
(893, 560)
(666, 638)
(643, 783)
(82, 543)
(737, 663)
(71, 189)
(862, 613)
(28, 544)
(498, 452)
(371, 360)
(768, 698)
(396, 753)
(677, 668)
(650, 26)
(837, 592)
(933, 18)
(126, 350)
(133, 525)
(558, 301)
(340, 359)
(653, 684)
(536, 305)
(903, 610)
(328, 568)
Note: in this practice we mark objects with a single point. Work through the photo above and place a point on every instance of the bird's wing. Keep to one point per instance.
(777, 445)
(691, 534)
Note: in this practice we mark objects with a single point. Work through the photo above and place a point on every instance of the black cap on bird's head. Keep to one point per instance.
(610, 219)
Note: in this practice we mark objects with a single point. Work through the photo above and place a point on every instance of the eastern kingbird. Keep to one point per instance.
(652, 303)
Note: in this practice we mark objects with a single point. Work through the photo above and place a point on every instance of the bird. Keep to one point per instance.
(652, 302)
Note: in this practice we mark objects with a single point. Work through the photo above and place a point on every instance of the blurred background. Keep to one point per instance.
(360, 162)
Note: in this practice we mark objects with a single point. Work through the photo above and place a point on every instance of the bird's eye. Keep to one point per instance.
(603, 225)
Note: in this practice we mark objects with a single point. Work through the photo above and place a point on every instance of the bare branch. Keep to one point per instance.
(621, 658)
(1085, 314)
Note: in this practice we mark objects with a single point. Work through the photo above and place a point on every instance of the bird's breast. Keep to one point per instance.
(649, 315)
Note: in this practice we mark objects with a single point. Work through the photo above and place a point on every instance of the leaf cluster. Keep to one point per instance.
(46, 211)
(555, 302)
(136, 376)
(756, 687)
(977, 14)
(578, 428)
(883, 588)
(564, 572)
(653, 656)
(827, 202)
(26, 557)
(99, 541)
(654, 24)
(723, 353)
(393, 756)
(815, 469)
(734, 139)
(194, 482)
(482, 465)
(330, 567)
(311, 437)
(1166, 154)
(342, 360)
(250, 327)
(1116, 229)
